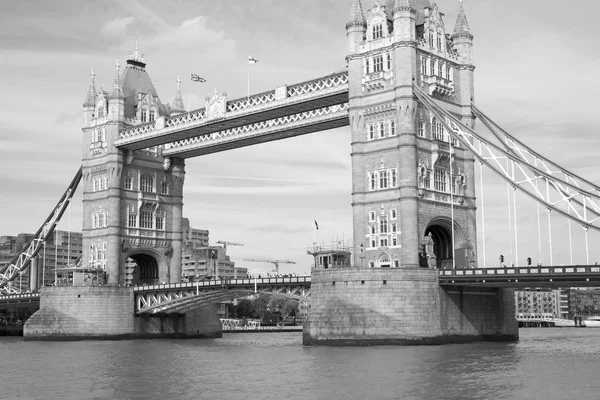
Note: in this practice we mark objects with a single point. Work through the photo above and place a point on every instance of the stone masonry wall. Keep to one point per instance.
(402, 306)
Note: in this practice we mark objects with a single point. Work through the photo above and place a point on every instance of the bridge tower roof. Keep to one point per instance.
(357, 15)
(90, 98)
(462, 26)
(178, 106)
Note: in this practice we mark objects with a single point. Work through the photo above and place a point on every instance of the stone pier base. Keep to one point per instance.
(105, 312)
(365, 306)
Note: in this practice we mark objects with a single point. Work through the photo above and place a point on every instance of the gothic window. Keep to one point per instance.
(92, 252)
(372, 180)
(393, 214)
(394, 228)
(129, 182)
(377, 31)
(94, 185)
(164, 187)
(160, 222)
(392, 128)
(104, 183)
(143, 116)
(438, 130)
(421, 129)
(439, 42)
(147, 183)
(381, 130)
(383, 226)
(146, 220)
(383, 180)
(439, 179)
(383, 242)
(132, 220)
(393, 177)
(423, 65)
(426, 180)
(378, 63)
(151, 116)
(440, 69)
(101, 221)
(450, 74)
(396, 262)
(371, 131)
(372, 216)
(389, 61)
(373, 245)
(430, 39)
(367, 66)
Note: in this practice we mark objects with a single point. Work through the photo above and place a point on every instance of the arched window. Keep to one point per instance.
(377, 31)
(164, 187)
(147, 183)
(94, 185)
(384, 261)
(105, 183)
(151, 116)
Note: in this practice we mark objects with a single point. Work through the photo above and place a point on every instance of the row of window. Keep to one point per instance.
(146, 184)
(146, 220)
(99, 220)
(436, 38)
(380, 130)
(384, 227)
(436, 68)
(98, 135)
(377, 31)
(441, 180)
(97, 252)
(377, 241)
(147, 115)
(439, 132)
(99, 183)
(383, 179)
(378, 63)
(393, 215)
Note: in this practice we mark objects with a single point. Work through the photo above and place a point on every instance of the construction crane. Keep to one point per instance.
(225, 243)
(276, 262)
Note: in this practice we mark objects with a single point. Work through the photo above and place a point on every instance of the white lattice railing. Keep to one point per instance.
(261, 128)
(185, 118)
(254, 100)
(318, 84)
(137, 130)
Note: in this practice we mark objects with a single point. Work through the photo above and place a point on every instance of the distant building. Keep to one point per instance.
(201, 261)
(62, 249)
(584, 302)
(538, 302)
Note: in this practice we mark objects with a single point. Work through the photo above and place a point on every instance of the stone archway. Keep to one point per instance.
(440, 229)
(142, 269)
(384, 261)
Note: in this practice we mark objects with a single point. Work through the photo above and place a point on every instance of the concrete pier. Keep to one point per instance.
(107, 312)
(404, 306)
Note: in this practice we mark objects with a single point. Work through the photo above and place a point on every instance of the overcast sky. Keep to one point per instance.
(537, 76)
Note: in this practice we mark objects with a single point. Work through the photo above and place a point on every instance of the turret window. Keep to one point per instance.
(143, 116)
(129, 182)
(440, 70)
(424, 66)
(371, 131)
(147, 183)
(421, 128)
(378, 63)
(381, 130)
(392, 128)
(151, 116)
(430, 39)
(439, 180)
(389, 61)
(164, 187)
(439, 43)
(132, 220)
(377, 31)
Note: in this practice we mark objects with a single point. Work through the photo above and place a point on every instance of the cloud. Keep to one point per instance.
(66, 117)
(117, 27)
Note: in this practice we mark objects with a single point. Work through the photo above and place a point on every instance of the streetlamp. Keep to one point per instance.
(362, 257)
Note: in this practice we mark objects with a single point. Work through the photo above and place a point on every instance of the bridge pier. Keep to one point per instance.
(107, 312)
(364, 306)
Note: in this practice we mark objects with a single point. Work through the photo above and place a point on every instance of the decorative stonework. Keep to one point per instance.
(216, 106)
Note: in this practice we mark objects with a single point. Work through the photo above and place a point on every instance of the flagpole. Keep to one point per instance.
(189, 98)
(248, 97)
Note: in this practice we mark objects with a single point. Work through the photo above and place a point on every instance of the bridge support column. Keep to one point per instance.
(33, 274)
(362, 306)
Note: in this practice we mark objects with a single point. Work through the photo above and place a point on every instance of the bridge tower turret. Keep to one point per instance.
(178, 107)
(116, 101)
(356, 27)
(90, 101)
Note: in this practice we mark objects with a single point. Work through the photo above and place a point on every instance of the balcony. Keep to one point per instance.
(376, 81)
(438, 85)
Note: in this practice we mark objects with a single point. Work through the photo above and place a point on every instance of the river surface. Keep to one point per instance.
(547, 363)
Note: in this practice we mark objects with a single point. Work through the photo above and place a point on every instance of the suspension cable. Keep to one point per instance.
(509, 216)
(587, 249)
(482, 208)
(514, 196)
(537, 207)
(549, 227)
(452, 203)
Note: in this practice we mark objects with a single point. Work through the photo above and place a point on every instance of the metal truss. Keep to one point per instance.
(281, 101)
(179, 298)
(525, 170)
(23, 260)
(273, 129)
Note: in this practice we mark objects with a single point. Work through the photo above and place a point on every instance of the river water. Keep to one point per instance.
(547, 363)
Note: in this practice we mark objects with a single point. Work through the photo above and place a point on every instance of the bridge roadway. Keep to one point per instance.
(178, 297)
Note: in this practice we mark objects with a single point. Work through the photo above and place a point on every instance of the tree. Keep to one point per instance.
(245, 309)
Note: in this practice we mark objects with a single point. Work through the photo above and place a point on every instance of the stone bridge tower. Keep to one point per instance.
(412, 184)
(132, 201)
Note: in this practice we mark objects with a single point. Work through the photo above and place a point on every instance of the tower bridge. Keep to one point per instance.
(407, 95)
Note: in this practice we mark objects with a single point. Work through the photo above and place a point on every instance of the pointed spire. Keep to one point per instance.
(357, 16)
(462, 26)
(178, 106)
(117, 92)
(90, 99)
